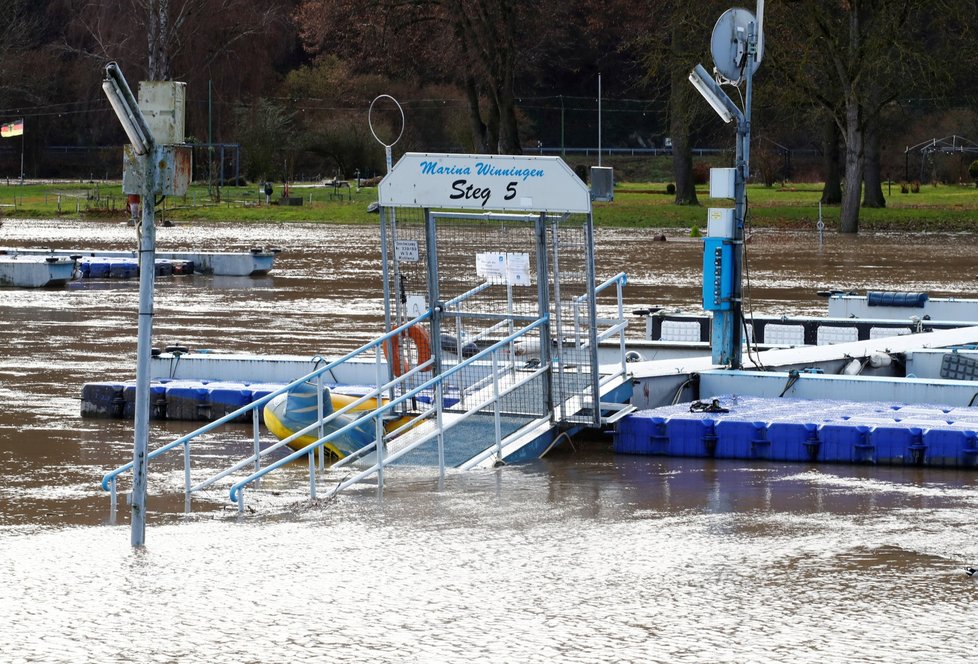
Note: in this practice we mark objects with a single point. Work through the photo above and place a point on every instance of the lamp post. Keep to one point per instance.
(737, 49)
(144, 149)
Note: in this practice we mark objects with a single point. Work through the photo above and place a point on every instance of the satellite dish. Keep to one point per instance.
(729, 44)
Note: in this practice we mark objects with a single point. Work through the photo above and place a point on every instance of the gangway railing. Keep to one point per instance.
(237, 489)
(110, 479)
(501, 382)
(580, 367)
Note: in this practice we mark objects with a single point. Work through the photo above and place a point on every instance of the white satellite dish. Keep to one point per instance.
(729, 44)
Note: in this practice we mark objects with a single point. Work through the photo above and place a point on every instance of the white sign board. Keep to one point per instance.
(518, 269)
(415, 306)
(499, 268)
(406, 251)
(484, 182)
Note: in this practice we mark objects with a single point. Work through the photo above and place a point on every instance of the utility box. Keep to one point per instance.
(717, 274)
(175, 170)
(722, 182)
(163, 104)
(602, 183)
(720, 222)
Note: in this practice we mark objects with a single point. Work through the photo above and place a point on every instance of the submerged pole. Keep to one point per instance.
(145, 154)
(144, 351)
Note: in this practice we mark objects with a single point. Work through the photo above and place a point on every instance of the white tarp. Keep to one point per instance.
(484, 182)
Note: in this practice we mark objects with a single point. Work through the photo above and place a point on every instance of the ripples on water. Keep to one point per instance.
(582, 557)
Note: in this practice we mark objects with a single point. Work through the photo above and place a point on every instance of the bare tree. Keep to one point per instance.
(854, 57)
(482, 46)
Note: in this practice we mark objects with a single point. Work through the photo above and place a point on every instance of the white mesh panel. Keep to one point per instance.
(881, 332)
(784, 335)
(836, 335)
(673, 330)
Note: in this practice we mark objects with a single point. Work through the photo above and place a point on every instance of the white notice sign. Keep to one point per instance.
(518, 269)
(491, 266)
(406, 251)
(499, 268)
(415, 306)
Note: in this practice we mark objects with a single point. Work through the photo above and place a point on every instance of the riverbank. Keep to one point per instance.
(636, 205)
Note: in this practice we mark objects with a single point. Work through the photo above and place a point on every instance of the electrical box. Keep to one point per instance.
(722, 182)
(175, 170)
(602, 183)
(720, 222)
(163, 104)
(717, 274)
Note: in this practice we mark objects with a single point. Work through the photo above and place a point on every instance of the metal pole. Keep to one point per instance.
(592, 323)
(210, 135)
(599, 120)
(431, 245)
(144, 343)
(563, 151)
(543, 309)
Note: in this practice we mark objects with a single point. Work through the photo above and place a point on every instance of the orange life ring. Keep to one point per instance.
(400, 364)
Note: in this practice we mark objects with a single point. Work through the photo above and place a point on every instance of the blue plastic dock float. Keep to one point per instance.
(799, 430)
(199, 400)
(113, 267)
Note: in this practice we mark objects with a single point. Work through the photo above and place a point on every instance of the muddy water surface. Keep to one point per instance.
(583, 556)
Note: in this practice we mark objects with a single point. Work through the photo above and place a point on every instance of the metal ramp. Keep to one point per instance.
(492, 330)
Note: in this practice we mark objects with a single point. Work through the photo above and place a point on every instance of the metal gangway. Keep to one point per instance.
(510, 315)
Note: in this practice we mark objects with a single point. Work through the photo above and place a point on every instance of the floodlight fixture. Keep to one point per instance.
(126, 109)
(712, 93)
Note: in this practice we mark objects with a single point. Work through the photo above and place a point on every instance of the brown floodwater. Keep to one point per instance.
(583, 556)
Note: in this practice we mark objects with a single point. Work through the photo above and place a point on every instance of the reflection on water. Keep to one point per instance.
(583, 556)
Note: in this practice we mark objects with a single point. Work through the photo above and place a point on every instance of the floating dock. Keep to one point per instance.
(198, 400)
(829, 431)
(35, 271)
(103, 267)
(257, 262)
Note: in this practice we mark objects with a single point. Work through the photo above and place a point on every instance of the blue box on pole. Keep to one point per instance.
(717, 274)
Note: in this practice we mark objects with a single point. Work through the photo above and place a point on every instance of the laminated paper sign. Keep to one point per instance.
(504, 268)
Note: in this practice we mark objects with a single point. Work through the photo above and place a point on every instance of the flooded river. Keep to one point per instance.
(583, 556)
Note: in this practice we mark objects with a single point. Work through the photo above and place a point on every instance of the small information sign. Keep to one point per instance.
(406, 251)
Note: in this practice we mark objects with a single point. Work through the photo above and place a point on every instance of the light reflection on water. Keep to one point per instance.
(581, 557)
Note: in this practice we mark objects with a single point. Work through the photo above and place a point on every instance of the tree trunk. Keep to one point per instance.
(158, 65)
(849, 215)
(832, 191)
(680, 119)
(872, 178)
(478, 127)
(509, 135)
(682, 166)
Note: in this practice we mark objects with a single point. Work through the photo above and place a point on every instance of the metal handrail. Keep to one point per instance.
(236, 488)
(109, 479)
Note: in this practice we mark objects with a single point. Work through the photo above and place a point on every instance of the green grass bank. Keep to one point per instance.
(639, 205)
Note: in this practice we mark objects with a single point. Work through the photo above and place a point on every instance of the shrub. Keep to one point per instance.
(671, 188)
(904, 188)
(973, 171)
(915, 187)
(701, 173)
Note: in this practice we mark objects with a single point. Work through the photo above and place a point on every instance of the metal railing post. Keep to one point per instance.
(496, 415)
(621, 334)
(255, 438)
(378, 425)
(312, 474)
(186, 473)
(320, 414)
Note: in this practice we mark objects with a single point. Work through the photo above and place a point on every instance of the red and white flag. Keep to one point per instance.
(11, 129)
